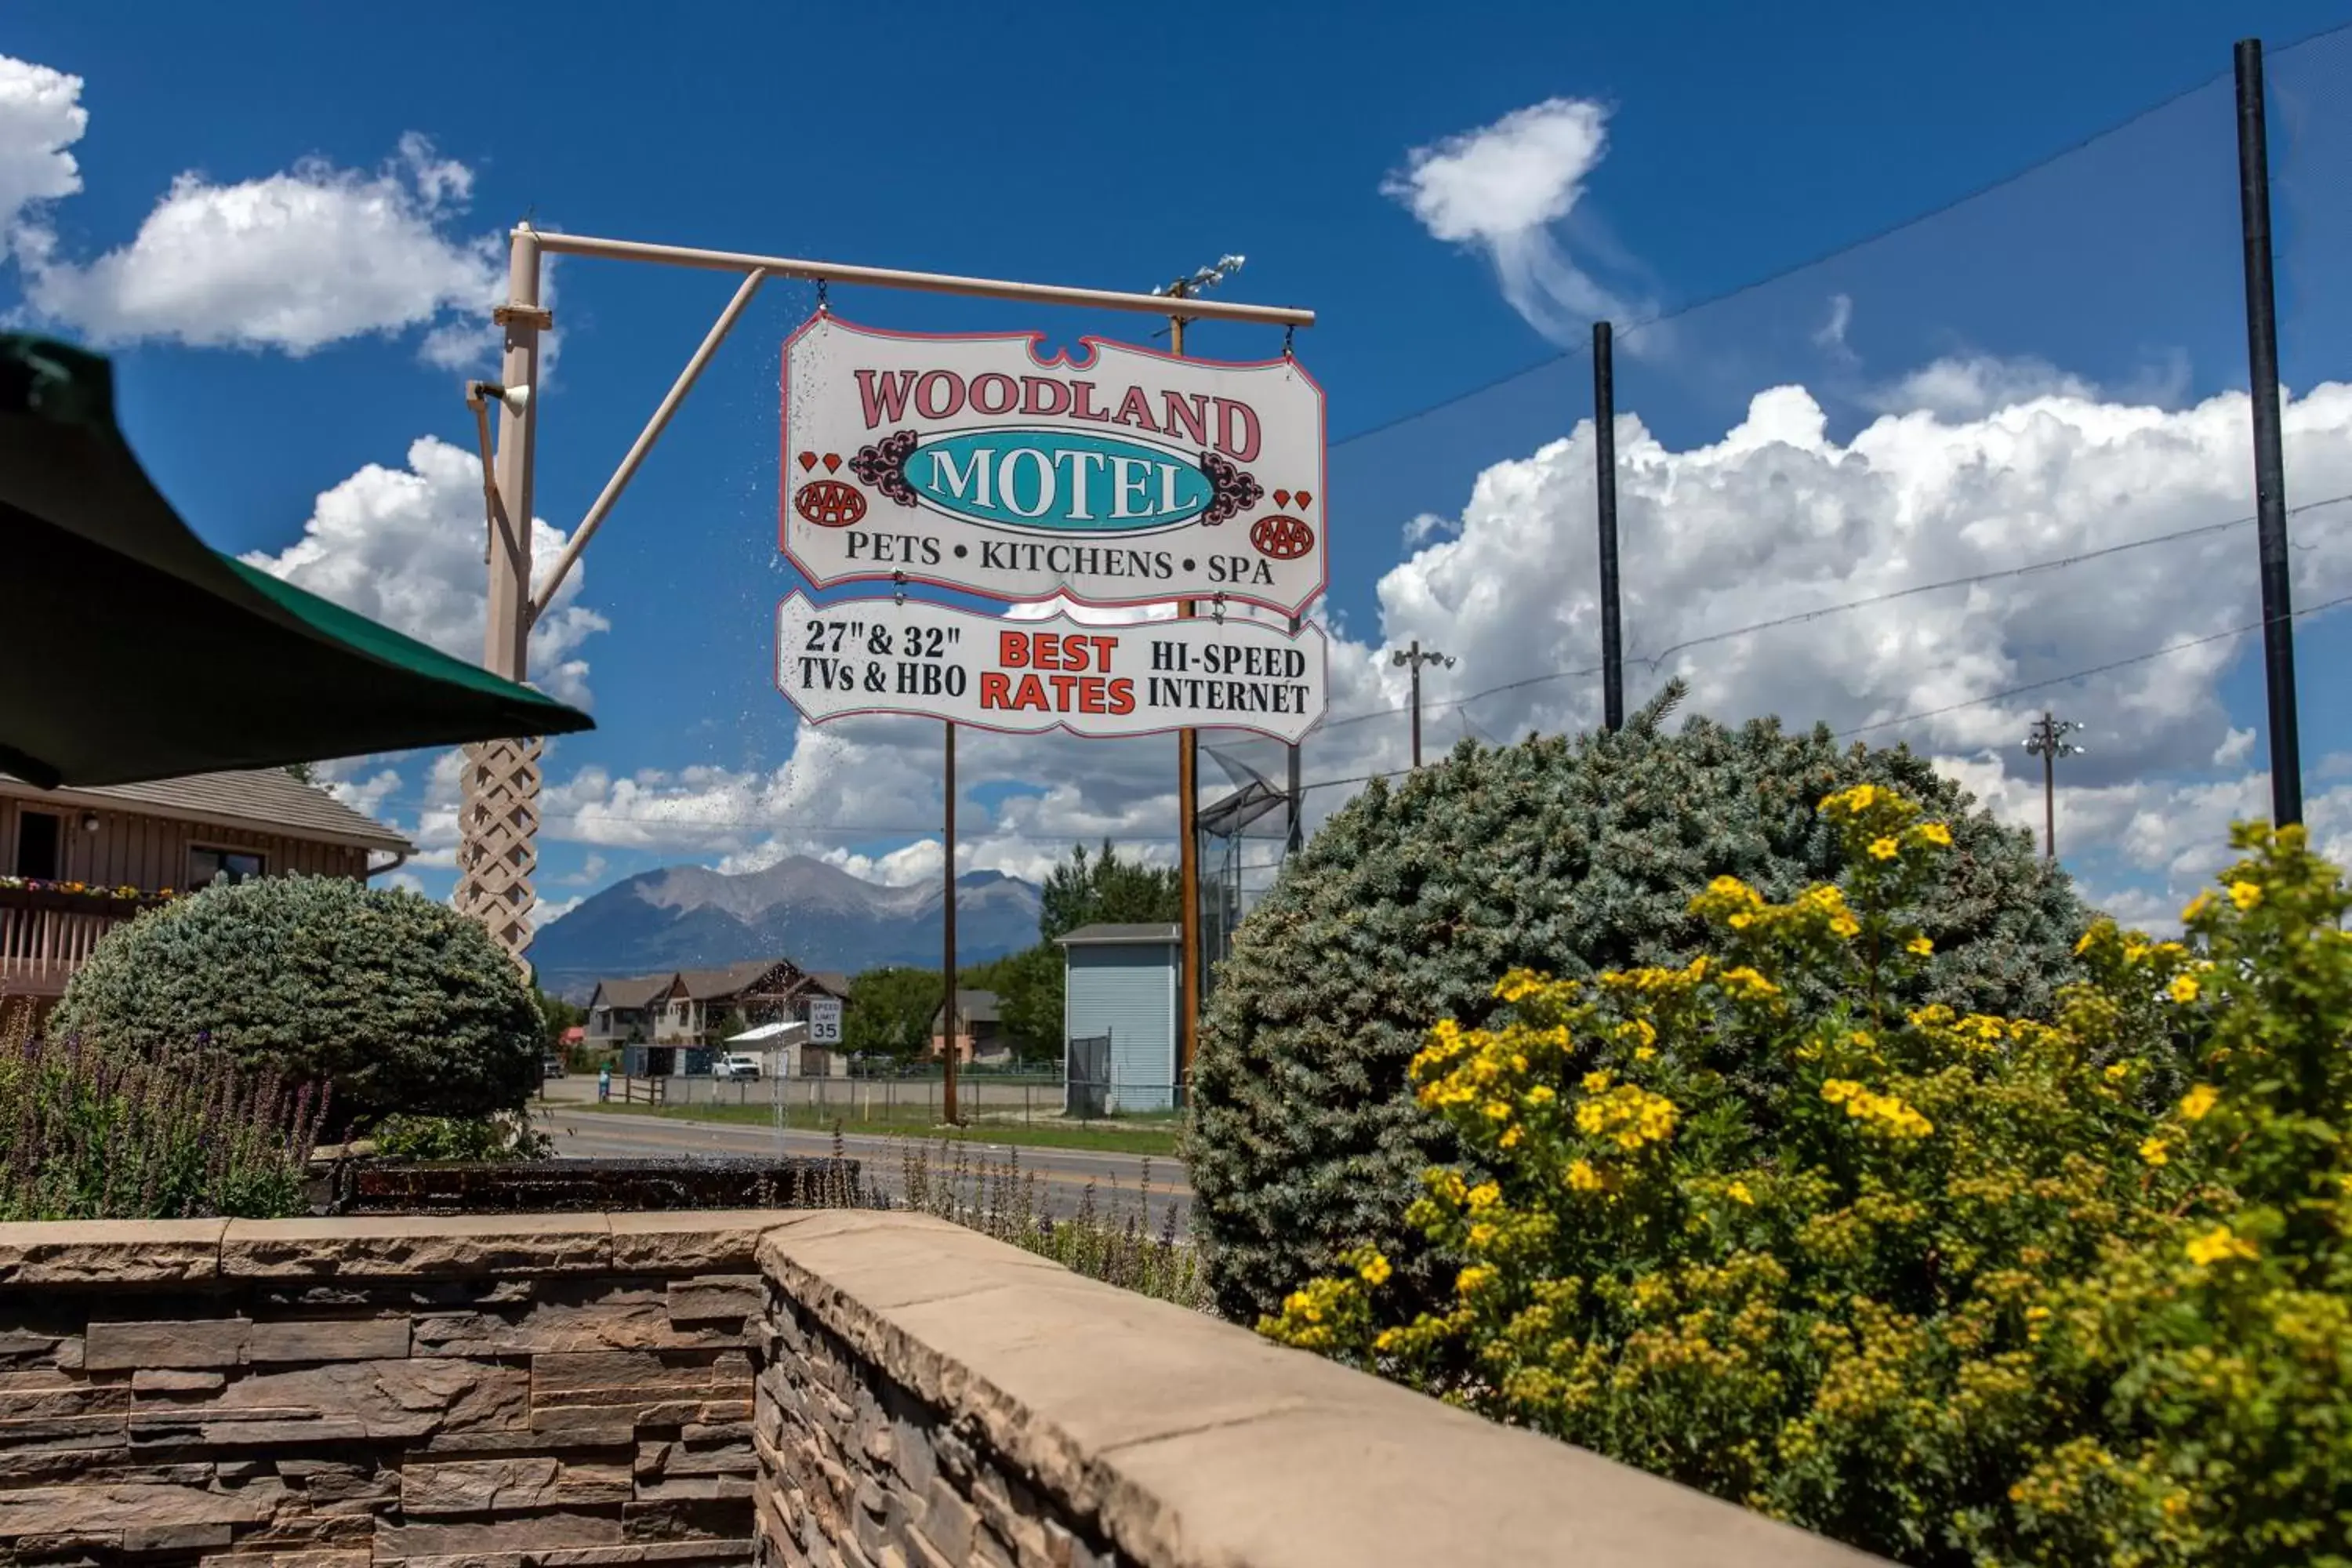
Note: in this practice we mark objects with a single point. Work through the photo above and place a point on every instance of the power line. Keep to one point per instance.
(789, 824)
(2109, 667)
(888, 829)
(1655, 662)
(1021, 836)
(2054, 565)
(1990, 697)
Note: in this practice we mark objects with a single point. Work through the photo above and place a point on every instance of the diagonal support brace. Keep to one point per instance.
(644, 441)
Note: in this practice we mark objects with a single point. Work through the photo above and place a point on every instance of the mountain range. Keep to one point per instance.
(817, 915)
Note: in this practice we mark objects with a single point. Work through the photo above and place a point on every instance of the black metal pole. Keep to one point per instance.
(2270, 463)
(1604, 477)
(1295, 839)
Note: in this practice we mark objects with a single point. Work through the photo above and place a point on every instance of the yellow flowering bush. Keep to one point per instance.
(1956, 1288)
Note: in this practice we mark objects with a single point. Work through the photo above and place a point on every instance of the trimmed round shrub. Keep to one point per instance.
(401, 1003)
(1565, 857)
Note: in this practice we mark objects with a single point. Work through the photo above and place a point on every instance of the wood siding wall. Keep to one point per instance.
(40, 949)
(1128, 991)
(151, 853)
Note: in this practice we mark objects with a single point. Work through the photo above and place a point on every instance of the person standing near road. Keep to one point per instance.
(605, 1082)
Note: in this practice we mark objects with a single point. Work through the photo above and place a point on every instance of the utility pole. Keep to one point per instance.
(2047, 739)
(1188, 754)
(948, 956)
(2270, 464)
(1604, 489)
(1414, 658)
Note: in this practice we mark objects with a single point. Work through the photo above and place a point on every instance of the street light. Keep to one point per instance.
(1412, 658)
(2047, 739)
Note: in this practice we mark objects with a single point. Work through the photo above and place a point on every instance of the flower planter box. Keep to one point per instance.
(57, 901)
(572, 1186)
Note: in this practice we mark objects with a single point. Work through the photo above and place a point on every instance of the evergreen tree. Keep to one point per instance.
(890, 1012)
(1105, 889)
(1029, 987)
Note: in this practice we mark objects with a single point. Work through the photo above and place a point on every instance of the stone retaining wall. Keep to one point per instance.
(710, 1388)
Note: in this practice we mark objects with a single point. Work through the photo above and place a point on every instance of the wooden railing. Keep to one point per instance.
(45, 936)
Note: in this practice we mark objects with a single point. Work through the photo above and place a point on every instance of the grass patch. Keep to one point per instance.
(1154, 1135)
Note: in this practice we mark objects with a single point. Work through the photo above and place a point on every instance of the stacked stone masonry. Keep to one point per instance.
(699, 1389)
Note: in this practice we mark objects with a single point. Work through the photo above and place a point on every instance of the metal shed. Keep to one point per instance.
(1118, 1018)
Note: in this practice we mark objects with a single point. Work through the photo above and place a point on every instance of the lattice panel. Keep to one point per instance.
(498, 849)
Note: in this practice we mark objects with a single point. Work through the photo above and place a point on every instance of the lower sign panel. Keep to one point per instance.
(931, 661)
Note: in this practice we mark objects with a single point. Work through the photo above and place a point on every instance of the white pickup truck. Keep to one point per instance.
(737, 1064)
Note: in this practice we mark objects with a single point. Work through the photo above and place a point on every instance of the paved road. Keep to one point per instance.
(1063, 1175)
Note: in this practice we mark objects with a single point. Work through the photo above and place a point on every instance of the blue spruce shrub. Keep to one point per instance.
(1562, 855)
(401, 1003)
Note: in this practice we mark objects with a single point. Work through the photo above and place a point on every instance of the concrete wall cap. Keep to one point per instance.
(115, 1252)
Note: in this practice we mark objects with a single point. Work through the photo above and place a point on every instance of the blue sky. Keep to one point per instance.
(215, 231)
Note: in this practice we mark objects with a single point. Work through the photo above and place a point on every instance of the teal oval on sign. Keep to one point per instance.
(1062, 482)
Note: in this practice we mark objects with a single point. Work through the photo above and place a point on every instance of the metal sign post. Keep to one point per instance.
(2284, 739)
(1187, 829)
(1604, 489)
(499, 816)
(948, 935)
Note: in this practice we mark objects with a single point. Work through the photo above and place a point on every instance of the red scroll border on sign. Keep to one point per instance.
(1084, 359)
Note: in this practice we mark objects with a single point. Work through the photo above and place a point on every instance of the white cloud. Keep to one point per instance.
(1970, 386)
(1778, 519)
(1775, 519)
(1089, 615)
(403, 546)
(591, 872)
(291, 261)
(367, 796)
(2174, 834)
(547, 912)
(1831, 337)
(1429, 525)
(900, 868)
(41, 118)
(1502, 188)
(435, 832)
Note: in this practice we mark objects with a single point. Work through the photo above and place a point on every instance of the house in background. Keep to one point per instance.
(621, 1013)
(76, 863)
(980, 1036)
(678, 1022)
(1118, 1012)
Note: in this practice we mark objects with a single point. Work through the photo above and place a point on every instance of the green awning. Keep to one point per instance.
(131, 650)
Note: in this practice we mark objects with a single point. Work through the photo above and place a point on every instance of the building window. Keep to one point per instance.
(237, 864)
(37, 833)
